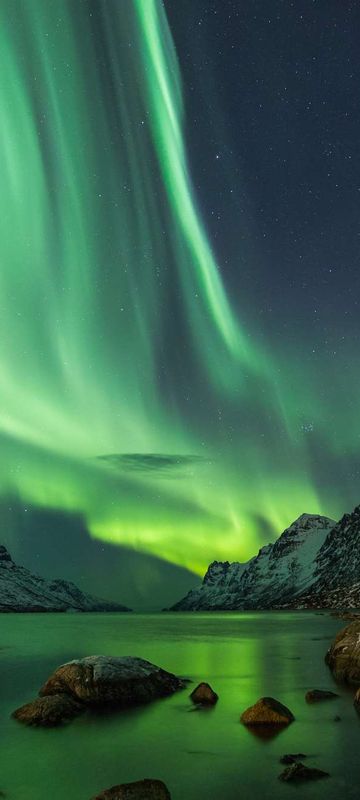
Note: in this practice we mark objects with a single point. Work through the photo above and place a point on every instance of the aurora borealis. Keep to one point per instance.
(179, 268)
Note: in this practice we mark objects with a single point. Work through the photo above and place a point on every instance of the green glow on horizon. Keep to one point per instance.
(99, 232)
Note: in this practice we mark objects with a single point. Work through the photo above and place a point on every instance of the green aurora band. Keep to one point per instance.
(116, 334)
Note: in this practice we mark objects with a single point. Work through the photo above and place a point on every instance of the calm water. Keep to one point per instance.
(207, 755)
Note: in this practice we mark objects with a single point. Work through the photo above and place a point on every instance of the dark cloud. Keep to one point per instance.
(264, 528)
(57, 544)
(162, 464)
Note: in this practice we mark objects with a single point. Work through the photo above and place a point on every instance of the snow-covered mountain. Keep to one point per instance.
(20, 590)
(275, 578)
(337, 568)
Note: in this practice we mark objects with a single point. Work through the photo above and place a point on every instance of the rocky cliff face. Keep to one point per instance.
(336, 581)
(220, 585)
(279, 573)
(20, 590)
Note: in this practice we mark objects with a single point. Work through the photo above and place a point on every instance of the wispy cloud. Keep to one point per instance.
(161, 464)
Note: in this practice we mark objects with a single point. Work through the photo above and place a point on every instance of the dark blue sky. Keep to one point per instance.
(273, 113)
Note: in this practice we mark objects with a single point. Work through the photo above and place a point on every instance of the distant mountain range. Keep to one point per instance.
(315, 563)
(21, 590)
(52, 542)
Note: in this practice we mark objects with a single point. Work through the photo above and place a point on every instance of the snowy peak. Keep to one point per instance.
(337, 566)
(304, 528)
(215, 572)
(5, 556)
(310, 521)
(271, 579)
(307, 524)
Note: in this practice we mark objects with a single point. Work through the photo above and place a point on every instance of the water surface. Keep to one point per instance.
(201, 755)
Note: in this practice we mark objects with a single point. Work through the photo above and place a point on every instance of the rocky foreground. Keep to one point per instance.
(22, 591)
(110, 682)
(114, 682)
(315, 563)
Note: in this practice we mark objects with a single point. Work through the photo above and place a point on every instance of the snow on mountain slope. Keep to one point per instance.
(221, 581)
(337, 568)
(287, 566)
(20, 590)
(270, 579)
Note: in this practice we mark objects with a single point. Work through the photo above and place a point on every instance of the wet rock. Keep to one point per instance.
(48, 712)
(114, 681)
(147, 789)
(357, 701)
(343, 657)
(204, 695)
(267, 711)
(316, 695)
(298, 773)
(292, 758)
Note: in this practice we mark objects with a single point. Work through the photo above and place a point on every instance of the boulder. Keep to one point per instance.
(147, 789)
(357, 700)
(49, 712)
(316, 695)
(343, 657)
(267, 711)
(109, 680)
(204, 695)
(298, 773)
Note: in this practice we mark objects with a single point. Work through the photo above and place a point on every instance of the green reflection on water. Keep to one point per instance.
(198, 754)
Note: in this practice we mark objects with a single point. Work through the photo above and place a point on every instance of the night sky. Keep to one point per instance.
(180, 232)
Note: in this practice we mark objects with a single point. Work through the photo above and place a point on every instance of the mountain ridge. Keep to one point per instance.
(314, 563)
(337, 567)
(23, 591)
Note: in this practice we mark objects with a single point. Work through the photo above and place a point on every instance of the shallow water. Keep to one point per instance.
(207, 755)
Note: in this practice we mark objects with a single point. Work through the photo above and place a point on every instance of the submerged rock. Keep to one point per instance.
(48, 712)
(343, 656)
(316, 695)
(292, 758)
(147, 789)
(267, 711)
(204, 695)
(111, 680)
(298, 772)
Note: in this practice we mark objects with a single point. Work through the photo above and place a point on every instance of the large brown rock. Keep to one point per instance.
(343, 657)
(267, 711)
(204, 695)
(147, 789)
(49, 712)
(109, 680)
